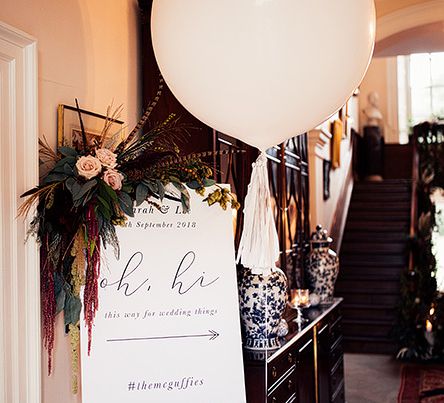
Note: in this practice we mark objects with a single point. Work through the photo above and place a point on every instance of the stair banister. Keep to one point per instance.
(414, 200)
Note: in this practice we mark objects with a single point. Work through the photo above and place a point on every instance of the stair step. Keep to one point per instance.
(368, 299)
(366, 345)
(369, 273)
(378, 226)
(369, 312)
(377, 248)
(372, 260)
(377, 205)
(368, 329)
(380, 196)
(386, 181)
(373, 256)
(386, 216)
(383, 185)
(373, 237)
(377, 286)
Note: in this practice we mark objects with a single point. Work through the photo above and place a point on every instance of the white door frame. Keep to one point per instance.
(20, 341)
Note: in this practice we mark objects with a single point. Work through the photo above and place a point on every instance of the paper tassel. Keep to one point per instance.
(259, 244)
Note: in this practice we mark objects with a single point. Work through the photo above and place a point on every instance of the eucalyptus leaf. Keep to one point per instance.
(68, 151)
(106, 192)
(173, 179)
(193, 185)
(104, 208)
(60, 300)
(109, 191)
(126, 204)
(179, 186)
(141, 193)
(72, 309)
(185, 203)
(70, 182)
(152, 186)
(127, 188)
(86, 187)
(55, 177)
(68, 169)
(59, 292)
(209, 182)
(161, 189)
(104, 202)
(59, 169)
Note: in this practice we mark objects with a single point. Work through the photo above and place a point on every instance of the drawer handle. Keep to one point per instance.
(290, 385)
(274, 372)
(290, 358)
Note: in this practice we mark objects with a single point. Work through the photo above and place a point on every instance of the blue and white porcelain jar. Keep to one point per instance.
(322, 266)
(262, 300)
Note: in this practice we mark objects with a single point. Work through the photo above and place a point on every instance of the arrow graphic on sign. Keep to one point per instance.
(212, 335)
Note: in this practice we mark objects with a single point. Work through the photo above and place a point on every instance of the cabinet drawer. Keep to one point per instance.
(335, 314)
(285, 391)
(279, 367)
(336, 353)
(335, 330)
(339, 396)
(337, 378)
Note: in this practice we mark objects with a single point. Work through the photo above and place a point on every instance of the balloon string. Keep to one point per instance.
(259, 243)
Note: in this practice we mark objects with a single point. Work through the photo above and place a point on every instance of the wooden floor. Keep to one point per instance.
(372, 378)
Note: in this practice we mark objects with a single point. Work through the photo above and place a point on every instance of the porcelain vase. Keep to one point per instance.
(322, 266)
(262, 304)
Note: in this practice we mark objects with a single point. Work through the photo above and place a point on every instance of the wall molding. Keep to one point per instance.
(319, 143)
(340, 216)
(20, 340)
(409, 17)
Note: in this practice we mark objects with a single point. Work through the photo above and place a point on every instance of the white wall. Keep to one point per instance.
(87, 49)
(323, 211)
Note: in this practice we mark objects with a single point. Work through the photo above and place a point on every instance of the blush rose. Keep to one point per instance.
(106, 157)
(88, 166)
(113, 179)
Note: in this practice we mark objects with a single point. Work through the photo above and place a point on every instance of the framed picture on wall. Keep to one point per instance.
(69, 132)
(326, 178)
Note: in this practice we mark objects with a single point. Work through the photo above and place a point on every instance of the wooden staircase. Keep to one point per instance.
(373, 255)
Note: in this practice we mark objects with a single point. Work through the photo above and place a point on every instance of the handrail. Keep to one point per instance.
(414, 198)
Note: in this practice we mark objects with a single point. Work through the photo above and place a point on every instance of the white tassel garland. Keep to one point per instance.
(259, 244)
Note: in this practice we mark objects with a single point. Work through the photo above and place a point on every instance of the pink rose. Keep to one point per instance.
(88, 166)
(113, 179)
(106, 157)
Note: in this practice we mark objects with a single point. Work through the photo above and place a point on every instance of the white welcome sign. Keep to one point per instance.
(167, 329)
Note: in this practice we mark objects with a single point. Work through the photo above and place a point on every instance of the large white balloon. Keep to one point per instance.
(263, 70)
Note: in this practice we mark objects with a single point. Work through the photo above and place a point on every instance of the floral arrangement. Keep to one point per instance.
(89, 191)
(419, 331)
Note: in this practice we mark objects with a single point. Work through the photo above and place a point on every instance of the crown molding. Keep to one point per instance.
(409, 17)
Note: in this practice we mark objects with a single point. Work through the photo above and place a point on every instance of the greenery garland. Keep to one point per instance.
(420, 327)
(87, 193)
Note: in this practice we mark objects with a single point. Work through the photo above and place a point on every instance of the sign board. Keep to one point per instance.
(167, 329)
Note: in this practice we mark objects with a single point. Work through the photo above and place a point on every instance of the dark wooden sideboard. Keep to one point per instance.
(309, 366)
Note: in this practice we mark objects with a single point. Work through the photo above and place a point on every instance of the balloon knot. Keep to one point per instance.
(261, 160)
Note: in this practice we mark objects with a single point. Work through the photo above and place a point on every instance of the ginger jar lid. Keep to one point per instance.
(320, 238)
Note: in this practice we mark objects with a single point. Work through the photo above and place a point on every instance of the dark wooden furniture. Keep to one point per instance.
(308, 368)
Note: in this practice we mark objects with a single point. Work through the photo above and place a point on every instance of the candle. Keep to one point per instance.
(300, 297)
(429, 326)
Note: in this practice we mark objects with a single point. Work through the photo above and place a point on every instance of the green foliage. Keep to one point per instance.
(420, 300)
